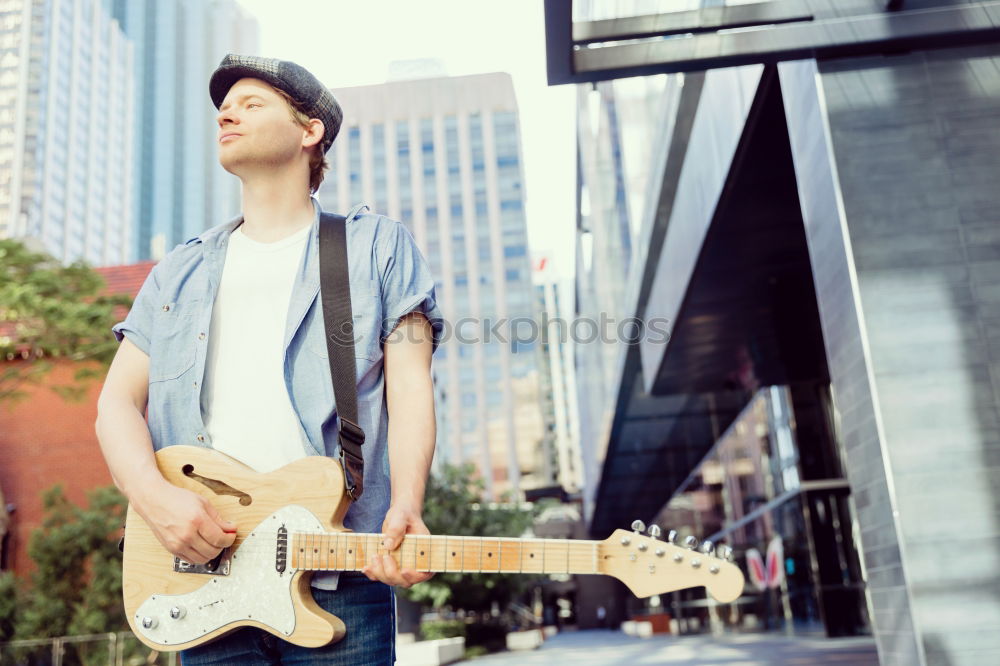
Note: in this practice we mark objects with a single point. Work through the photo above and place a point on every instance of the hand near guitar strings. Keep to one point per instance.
(398, 522)
(185, 523)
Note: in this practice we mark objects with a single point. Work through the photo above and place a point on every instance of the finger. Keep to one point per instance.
(373, 569)
(204, 549)
(215, 538)
(393, 528)
(213, 513)
(413, 577)
(190, 553)
(392, 574)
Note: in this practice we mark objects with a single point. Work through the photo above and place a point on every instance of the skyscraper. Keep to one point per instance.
(181, 189)
(66, 127)
(560, 449)
(442, 155)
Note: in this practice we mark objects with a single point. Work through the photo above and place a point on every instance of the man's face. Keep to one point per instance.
(256, 128)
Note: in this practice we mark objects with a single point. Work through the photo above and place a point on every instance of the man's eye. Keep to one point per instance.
(252, 104)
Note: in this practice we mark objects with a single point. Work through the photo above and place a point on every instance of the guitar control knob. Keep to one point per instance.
(690, 542)
(725, 552)
(654, 531)
(638, 526)
(148, 622)
(672, 536)
(707, 547)
(177, 612)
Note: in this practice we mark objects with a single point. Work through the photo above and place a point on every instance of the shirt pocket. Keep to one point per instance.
(174, 340)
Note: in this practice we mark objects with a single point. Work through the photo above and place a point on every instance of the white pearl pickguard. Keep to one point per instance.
(253, 590)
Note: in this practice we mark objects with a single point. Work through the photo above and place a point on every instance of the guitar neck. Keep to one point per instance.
(348, 551)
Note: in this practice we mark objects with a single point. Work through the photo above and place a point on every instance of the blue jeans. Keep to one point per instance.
(367, 608)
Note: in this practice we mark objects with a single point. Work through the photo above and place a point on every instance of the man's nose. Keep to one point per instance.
(227, 115)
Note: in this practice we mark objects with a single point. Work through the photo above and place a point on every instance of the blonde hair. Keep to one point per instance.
(317, 160)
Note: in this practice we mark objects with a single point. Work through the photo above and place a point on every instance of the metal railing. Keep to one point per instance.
(122, 649)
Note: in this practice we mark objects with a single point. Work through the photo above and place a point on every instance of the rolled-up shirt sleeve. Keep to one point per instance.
(138, 324)
(406, 281)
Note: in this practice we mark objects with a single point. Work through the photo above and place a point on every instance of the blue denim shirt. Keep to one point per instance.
(170, 319)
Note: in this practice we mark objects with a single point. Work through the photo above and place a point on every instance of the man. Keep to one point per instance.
(225, 344)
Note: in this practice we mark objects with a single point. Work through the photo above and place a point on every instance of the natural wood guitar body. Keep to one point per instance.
(315, 483)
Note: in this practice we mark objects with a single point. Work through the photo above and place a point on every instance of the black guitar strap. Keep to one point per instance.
(335, 292)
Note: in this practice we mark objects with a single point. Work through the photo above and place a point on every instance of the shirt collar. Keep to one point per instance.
(217, 236)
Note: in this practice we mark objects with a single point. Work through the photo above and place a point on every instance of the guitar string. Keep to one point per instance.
(260, 544)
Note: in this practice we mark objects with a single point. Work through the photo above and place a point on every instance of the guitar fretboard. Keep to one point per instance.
(350, 552)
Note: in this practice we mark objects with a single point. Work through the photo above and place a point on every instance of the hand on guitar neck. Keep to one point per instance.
(398, 522)
(185, 523)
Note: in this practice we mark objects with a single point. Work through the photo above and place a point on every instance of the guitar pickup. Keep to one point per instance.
(219, 566)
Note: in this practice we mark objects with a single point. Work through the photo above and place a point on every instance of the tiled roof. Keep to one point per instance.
(125, 279)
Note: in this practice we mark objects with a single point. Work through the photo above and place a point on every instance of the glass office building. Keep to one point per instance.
(443, 156)
(66, 124)
(180, 188)
(818, 239)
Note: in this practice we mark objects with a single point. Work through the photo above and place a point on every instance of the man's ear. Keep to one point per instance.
(313, 135)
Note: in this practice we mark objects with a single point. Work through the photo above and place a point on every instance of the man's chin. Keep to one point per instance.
(231, 165)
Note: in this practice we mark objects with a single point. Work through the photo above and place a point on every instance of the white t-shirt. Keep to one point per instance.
(244, 400)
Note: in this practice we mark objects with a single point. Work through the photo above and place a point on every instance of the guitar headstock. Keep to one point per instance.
(650, 566)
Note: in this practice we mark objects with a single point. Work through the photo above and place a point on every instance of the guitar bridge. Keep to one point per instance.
(219, 566)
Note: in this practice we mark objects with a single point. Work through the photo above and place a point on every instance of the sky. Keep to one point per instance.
(351, 43)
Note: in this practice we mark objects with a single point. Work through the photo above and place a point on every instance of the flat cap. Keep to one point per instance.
(316, 99)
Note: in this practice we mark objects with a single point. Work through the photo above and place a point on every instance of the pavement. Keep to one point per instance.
(608, 648)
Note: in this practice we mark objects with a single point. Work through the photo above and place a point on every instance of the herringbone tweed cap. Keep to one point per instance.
(316, 99)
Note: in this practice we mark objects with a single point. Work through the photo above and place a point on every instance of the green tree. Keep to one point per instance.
(453, 505)
(76, 587)
(48, 311)
(9, 597)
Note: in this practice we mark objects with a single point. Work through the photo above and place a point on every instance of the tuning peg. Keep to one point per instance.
(725, 552)
(653, 531)
(690, 542)
(638, 526)
(707, 547)
(671, 536)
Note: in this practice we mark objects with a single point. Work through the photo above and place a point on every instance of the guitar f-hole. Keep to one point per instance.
(216, 486)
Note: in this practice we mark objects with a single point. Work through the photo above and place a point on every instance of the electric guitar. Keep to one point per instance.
(290, 524)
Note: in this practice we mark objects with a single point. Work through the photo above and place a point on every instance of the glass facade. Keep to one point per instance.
(66, 184)
(457, 184)
(773, 489)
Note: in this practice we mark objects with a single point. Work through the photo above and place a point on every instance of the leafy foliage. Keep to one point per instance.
(77, 585)
(54, 311)
(8, 605)
(453, 505)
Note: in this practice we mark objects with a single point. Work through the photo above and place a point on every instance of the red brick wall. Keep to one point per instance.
(46, 440)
